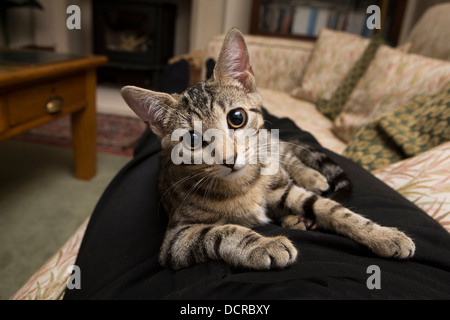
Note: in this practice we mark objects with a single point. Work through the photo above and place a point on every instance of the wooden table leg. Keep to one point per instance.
(84, 132)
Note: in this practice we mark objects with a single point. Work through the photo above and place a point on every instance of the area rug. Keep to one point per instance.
(115, 134)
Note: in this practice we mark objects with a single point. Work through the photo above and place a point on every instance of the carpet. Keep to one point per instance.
(42, 204)
(115, 134)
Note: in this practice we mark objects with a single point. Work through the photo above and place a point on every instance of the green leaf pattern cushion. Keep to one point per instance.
(419, 125)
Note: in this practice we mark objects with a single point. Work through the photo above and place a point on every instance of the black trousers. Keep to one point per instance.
(118, 255)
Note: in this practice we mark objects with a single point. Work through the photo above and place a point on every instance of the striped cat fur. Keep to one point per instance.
(212, 207)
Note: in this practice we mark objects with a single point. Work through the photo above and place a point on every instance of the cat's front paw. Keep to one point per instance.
(272, 253)
(392, 243)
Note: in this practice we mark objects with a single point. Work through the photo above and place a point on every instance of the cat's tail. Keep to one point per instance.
(340, 185)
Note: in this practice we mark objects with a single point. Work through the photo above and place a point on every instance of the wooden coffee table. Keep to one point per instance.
(38, 87)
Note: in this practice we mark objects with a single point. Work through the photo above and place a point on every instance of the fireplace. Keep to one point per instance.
(137, 37)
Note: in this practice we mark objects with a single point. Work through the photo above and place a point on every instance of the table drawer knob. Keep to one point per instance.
(54, 104)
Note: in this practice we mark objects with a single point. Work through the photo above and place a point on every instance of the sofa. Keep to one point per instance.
(385, 108)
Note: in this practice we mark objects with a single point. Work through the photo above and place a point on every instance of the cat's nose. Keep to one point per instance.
(231, 165)
(235, 165)
(230, 162)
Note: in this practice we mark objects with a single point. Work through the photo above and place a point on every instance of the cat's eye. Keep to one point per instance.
(192, 140)
(237, 118)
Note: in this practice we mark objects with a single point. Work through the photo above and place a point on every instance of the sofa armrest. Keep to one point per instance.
(50, 281)
(278, 64)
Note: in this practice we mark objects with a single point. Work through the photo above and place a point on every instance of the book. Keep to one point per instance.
(333, 19)
(322, 18)
(342, 21)
(312, 21)
(300, 20)
(356, 22)
(271, 17)
(285, 19)
(308, 18)
(275, 18)
(366, 32)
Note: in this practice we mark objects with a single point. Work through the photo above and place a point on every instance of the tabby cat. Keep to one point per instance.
(213, 206)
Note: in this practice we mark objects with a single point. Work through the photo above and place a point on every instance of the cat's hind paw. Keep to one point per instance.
(313, 181)
(298, 222)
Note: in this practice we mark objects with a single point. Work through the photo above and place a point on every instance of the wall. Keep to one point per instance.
(237, 14)
(212, 17)
(20, 27)
(51, 31)
(182, 26)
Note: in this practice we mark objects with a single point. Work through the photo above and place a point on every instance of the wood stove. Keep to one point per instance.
(137, 36)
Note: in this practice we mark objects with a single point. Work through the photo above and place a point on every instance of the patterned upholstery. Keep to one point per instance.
(49, 282)
(424, 180)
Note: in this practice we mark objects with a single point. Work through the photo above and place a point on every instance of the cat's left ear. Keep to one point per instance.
(150, 106)
(234, 62)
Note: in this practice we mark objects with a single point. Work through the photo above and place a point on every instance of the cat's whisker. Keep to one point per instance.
(194, 188)
(184, 179)
(208, 189)
(270, 123)
(299, 146)
(285, 142)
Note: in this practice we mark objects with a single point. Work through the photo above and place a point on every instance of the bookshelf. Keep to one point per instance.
(302, 19)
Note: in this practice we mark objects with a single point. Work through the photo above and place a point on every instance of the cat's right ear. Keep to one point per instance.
(150, 106)
(234, 62)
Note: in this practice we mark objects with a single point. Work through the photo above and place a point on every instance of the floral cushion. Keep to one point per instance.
(424, 180)
(392, 79)
(334, 54)
(331, 108)
(372, 149)
(420, 125)
(413, 128)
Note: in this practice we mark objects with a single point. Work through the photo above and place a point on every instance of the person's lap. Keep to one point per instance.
(118, 255)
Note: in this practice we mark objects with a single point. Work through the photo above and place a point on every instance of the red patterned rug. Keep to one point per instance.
(115, 134)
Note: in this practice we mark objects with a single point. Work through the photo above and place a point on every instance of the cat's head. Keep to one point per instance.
(216, 114)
